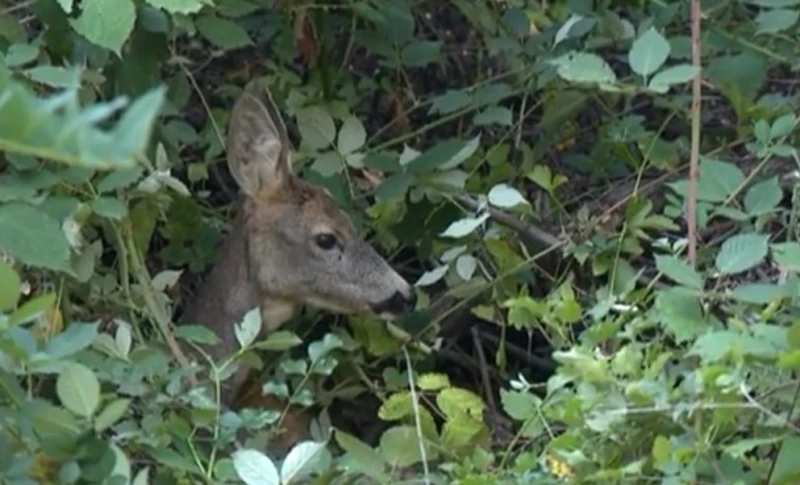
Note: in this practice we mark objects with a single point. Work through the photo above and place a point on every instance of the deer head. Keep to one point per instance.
(290, 244)
(301, 247)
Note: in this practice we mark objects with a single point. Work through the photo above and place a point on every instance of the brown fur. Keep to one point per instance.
(272, 258)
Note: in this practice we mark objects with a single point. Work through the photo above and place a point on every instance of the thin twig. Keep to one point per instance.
(415, 404)
(487, 382)
(694, 156)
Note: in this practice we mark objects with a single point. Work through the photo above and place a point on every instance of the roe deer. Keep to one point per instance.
(289, 245)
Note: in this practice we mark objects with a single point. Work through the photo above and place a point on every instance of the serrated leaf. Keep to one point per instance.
(107, 23)
(454, 401)
(502, 195)
(648, 53)
(33, 237)
(679, 271)
(775, 20)
(352, 135)
(78, 389)
(250, 327)
(222, 32)
(465, 226)
(584, 68)
(763, 197)
(741, 252)
(670, 76)
(316, 127)
(279, 341)
(255, 468)
(301, 460)
(396, 406)
(328, 164)
(433, 381)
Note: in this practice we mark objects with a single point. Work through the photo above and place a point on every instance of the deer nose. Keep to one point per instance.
(397, 304)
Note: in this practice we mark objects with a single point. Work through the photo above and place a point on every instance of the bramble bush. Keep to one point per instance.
(523, 162)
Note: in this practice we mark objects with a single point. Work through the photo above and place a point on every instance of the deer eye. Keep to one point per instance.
(325, 240)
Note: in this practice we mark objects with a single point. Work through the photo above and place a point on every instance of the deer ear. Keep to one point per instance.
(257, 144)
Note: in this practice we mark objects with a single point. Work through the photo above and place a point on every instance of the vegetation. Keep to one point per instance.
(528, 164)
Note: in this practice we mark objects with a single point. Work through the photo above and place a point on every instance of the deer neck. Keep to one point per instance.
(231, 290)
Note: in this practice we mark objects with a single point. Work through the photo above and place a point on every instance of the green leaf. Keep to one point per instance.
(9, 287)
(773, 21)
(78, 389)
(420, 53)
(763, 197)
(679, 271)
(739, 449)
(679, 311)
(112, 413)
(75, 338)
(494, 115)
(718, 180)
(648, 53)
(399, 446)
(582, 67)
(465, 266)
(316, 127)
(33, 237)
(69, 135)
(450, 102)
(255, 468)
(222, 32)
(21, 54)
(180, 6)
(445, 155)
(328, 164)
(109, 208)
(369, 461)
(670, 76)
(787, 255)
(433, 381)
(741, 252)
(279, 341)
(502, 195)
(454, 401)
(32, 309)
(759, 293)
(430, 277)
(301, 461)
(107, 23)
(247, 331)
(118, 179)
(54, 76)
(352, 136)
(782, 126)
(520, 405)
(465, 226)
(196, 333)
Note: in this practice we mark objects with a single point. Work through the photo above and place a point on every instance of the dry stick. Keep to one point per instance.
(691, 202)
(486, 380)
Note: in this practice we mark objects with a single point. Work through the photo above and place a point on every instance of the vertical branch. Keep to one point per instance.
(691, 201)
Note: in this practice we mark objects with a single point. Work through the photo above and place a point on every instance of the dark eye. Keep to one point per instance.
(325, 240)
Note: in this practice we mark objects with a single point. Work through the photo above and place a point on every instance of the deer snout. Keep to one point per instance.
(397, 304)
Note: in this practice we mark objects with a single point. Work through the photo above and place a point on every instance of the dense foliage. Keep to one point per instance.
(523, 162)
